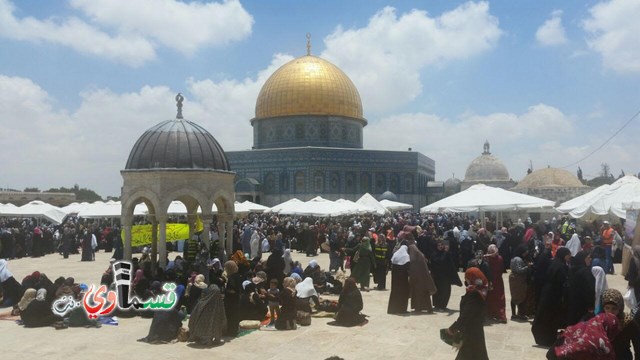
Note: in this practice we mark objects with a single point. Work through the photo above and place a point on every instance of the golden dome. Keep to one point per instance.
(308, 85)
(549, 177)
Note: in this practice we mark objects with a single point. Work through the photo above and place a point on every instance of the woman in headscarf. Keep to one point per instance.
(518, 283)
(588, 340)
(253, 302)
(306, 292)
(633, 274)
(208, 320)
(496, 302)
(471, 319)
(551, 311)
(574, 244)
(400, 288)
(420, 280)
(166, 324)
(194, 291)
(275, 266)
(613, 303)
(232, 297)
(349, 305)
(363, 261)
(444, 274)
(38, 313)
(581, 294)
(288, 262)
(600, 287)
(12, 291)
(287, 318)
(243, 264)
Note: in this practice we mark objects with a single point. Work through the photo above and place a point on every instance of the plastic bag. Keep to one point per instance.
(630, 298)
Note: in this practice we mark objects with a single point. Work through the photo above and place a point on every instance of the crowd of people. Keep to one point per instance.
(557, 279)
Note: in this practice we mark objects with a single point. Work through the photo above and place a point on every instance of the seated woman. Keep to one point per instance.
(208, 320)
(12, 291)
(306, 292)
(253, 305)
(38, 313)
(287, 318)
(350, 305)
(166, 324)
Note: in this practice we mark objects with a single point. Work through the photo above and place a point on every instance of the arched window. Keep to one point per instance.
(365, 183)
(394, 183)
(284, 181)
(335, 182)
(270, 183)
(408, 183)
(299, 182)
(380, 183)
(318, 182)
(350, 183)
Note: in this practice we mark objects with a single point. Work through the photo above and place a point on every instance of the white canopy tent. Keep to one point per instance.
(248, 206)
(632, 204)
(570, 205)
(371, 202)
(395, 205)
(287, 205)
(37, 209)
(604, 201)
(481, 197)
(355, 208)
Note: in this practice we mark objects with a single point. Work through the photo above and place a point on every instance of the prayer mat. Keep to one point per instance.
(244, 332)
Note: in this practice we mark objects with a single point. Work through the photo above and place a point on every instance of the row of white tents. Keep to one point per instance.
(614, 200)
(317, 207)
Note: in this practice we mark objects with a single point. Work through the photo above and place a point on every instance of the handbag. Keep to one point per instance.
(356, 257)
(454, 340)
(630, 298)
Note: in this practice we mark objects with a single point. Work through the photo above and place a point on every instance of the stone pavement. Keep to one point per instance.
(384, 337)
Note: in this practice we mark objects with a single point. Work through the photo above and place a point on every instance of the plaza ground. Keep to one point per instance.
(384, 337)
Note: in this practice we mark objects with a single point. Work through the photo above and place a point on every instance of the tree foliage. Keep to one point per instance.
(82, 194)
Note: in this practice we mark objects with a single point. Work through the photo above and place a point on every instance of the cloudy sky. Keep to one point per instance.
(543, 81)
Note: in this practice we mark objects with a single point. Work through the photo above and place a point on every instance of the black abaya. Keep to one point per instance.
(550, 312)
(470, 323)
(399, 296)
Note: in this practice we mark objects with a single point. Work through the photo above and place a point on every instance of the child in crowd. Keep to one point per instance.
(274, 305)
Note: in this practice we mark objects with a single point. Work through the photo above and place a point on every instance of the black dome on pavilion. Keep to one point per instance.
(177, 144)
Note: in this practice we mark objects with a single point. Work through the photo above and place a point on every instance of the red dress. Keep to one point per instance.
(495, 297)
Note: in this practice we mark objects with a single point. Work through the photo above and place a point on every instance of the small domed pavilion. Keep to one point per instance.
(178, 160)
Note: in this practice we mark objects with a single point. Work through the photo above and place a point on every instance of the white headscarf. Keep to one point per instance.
(305, 289)
(4, 272)
(287, 261)
(601, 285)
(574, 244)
(41, 294)
(313, 264)
(401, 256)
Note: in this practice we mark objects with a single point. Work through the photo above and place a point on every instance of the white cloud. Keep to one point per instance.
(385, 58)
(551, 33)
(614, 33)
(185, 27)
(54, 147)
(542, 134)
(134, 29)
(72, 32)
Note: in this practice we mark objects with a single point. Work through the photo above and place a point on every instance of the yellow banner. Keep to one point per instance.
(141, 234)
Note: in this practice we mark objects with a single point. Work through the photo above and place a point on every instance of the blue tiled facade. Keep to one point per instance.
(307, 130)
(331, 172)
